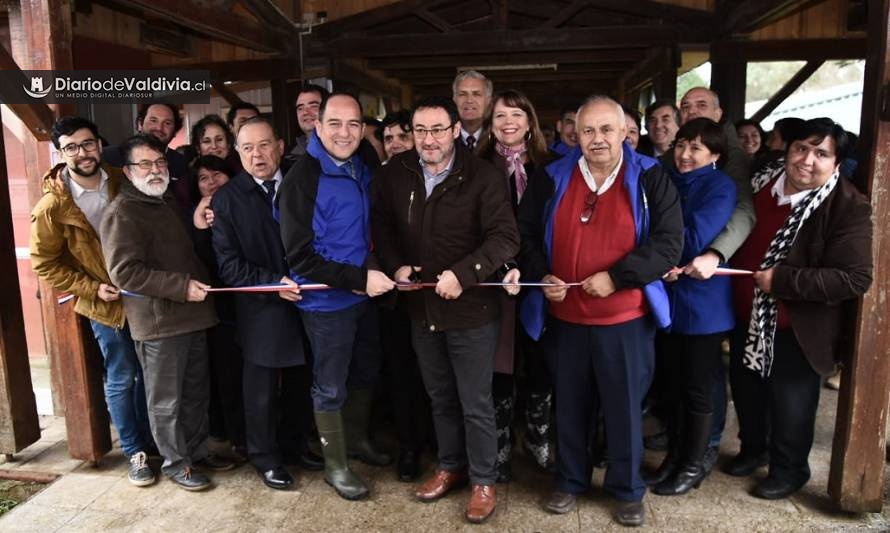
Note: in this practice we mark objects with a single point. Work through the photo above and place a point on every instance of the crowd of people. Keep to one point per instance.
(453, 266)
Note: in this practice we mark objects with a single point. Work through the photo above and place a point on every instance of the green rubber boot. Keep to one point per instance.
(336, 469)
(356, 417)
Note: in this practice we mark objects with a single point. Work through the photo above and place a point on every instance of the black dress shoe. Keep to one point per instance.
(310, 462)
(631, 514)
(409, 466)
(744, 464)
(278, 478)
(776, 489)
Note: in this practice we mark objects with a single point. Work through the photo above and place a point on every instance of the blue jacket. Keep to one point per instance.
(658, 224)
(324, 213)
(702, 307)
(560, 147)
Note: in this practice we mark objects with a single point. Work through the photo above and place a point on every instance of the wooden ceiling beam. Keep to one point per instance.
(789, 50)
(562, 39)
(515, 77)
(563, 15)
(647, 70)
(435, 20)
(517, 58)
(656, 10)
(578, 68)
(227, 94)
(341, 70)
(374, 17)
(268, 12)
(221, 26)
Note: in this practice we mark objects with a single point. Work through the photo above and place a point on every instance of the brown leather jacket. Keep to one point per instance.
(828, 267)
(65, 249)
(466, 226)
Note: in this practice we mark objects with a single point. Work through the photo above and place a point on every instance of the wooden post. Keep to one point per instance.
(856, 479)
(407, 96)
(284, 109)
(728, 79)
(665, 82)
(41, 40)
(19, 425)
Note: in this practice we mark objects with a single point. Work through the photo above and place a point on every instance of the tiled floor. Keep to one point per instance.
(99, 498)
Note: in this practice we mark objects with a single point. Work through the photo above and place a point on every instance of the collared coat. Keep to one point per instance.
(248, 248)
(827, 268)
(65, 249)
(658, 223)
(149, 251)
(467, 226)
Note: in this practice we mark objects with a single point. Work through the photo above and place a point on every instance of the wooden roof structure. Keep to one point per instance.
(557, 51)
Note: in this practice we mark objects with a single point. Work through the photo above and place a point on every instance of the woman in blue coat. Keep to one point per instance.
(701, 310)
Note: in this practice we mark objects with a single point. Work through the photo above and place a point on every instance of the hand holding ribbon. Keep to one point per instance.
(290, 294)
(512, 278)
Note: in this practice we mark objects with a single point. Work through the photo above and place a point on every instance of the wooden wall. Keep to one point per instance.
(117, 28)
(822, 21)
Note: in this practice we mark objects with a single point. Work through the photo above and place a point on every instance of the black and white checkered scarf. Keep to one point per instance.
(758, 354)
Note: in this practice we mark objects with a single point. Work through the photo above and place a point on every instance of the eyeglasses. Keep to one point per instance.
(589, 206)
(437, 133)
(71, 149)
(145, 164)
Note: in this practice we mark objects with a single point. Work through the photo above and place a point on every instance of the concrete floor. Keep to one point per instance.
(86, 498)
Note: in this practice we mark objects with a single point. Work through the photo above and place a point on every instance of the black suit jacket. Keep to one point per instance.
(247, 244)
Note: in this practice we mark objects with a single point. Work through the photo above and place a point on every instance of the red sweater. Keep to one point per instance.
(770, 218)
(581, 250)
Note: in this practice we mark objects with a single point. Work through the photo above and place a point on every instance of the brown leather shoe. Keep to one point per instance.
(439, 485)
(482, 502)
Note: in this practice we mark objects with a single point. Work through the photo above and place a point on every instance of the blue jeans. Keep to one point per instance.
(124, 387)
(346, 351)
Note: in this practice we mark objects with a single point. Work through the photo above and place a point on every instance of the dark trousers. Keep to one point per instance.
(295, 417)
(226, 398)
(457, 366)
(531, 372)
(691, 362)
(177, 392)
(719, 382)
(410, 403)
(777, 413)
(608, 365)
(268, 394)
(346, 350)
